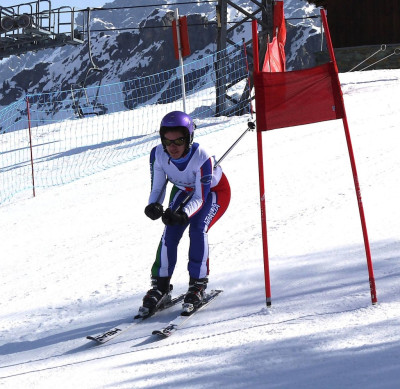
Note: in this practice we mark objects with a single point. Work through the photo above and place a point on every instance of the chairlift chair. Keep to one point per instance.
(81, 102)
(86, 107)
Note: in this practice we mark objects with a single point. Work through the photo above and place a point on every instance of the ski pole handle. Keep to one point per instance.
(185, 201)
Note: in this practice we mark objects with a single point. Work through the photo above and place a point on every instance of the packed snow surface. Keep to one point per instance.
(75, 260)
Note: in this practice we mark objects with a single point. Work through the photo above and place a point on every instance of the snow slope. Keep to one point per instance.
(76, 259)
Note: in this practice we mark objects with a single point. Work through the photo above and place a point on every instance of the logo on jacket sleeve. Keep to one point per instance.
(206, 179)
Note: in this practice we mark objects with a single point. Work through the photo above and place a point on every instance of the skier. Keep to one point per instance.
(191, 171)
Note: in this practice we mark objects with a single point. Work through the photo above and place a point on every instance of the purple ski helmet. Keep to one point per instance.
(178, 121)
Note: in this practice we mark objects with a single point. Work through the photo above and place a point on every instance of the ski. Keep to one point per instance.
(184, 316)
(112, 333)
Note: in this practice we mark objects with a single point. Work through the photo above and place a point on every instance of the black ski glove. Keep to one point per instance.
(173, 218)
(154, 211)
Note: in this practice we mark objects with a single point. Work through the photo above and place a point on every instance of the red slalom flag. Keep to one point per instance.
(286, 99)
(275, 58)
(306, 96)
(273, 61)
(279, 23)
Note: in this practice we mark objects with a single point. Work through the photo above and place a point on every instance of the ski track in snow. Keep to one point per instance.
(76, 261)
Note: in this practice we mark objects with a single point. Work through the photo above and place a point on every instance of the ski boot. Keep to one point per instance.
(157, 296)
(195, 294)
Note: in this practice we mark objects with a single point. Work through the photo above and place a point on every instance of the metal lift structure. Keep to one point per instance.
(262, 11)
(36, 25)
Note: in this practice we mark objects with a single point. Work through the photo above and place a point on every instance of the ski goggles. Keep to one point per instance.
(177, 142)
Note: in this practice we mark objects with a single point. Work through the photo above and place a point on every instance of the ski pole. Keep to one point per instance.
(250, 126)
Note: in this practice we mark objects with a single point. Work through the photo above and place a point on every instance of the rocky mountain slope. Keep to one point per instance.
(142, 46)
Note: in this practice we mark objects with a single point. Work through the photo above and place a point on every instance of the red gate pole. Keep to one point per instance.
(353, 166)
(256, 68)
(30, 144)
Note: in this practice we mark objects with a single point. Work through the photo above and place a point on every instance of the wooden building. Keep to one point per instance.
(362, 22)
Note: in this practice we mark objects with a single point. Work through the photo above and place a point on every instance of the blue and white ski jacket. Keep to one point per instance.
(193, 172)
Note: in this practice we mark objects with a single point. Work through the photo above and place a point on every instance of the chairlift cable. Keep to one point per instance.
(95, 67)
